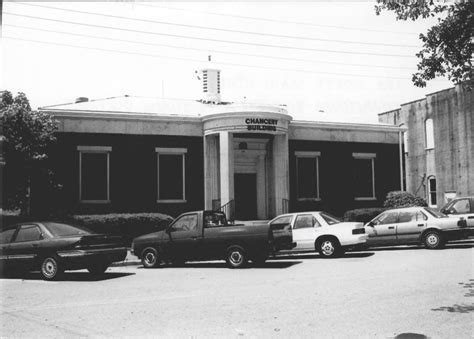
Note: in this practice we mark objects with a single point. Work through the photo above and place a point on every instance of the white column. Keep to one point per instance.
(261, 188)
(211, 171)
(226, 152)
(280, 161)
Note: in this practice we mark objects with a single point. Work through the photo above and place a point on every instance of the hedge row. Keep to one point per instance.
(128, 225)
(362, 214)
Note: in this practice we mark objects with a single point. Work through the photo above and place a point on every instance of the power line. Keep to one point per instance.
(200, 61)
(310, 24)
(220, 29)
(205, 50)
(209, 39)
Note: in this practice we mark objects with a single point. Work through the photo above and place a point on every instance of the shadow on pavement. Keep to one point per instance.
(313, 255)
(448, 246)
(68, 276)
(269, 264)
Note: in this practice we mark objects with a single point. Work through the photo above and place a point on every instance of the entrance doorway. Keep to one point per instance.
(245, 193)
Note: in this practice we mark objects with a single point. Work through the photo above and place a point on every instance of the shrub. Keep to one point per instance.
(362, 214)
(397, 199)
(128, 225)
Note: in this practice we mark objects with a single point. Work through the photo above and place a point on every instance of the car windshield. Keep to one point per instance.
(330, 219)
(63, 230)
(435, 213)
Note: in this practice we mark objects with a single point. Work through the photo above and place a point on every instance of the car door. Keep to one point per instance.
(25, 246)
(462, 208)
(304, 232)
(5, 238)
(410, 225)
(184, 237)
(383, 229)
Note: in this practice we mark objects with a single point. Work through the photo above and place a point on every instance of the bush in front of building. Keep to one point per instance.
(362, 214)
(398, 199)
(128, 225)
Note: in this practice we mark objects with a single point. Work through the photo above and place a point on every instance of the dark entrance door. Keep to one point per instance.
(245, 192)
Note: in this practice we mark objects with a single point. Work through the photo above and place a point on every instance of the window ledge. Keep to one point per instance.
(429, 148)
(309, 199)
(171, 201)
(95, 201)
(365, 199)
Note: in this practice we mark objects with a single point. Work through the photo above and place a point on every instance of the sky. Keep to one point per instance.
(327, 61)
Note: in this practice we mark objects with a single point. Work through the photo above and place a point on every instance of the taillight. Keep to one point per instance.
(358, 230)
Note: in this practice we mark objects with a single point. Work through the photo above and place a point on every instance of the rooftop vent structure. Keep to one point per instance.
(211, 85)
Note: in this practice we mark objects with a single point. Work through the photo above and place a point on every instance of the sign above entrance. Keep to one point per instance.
(261, 124)
(252, 119)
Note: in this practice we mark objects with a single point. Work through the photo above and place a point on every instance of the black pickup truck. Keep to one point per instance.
(206, 235)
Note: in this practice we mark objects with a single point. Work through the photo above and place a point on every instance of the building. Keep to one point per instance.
(152, 154)
(439, 144)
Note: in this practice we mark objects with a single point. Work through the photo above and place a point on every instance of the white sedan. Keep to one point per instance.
(322, 232)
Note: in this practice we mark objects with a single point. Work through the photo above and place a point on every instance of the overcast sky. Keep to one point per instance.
(334, 61)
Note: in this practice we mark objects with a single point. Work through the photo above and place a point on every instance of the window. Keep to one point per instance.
(429, 134)
(171, 174)
(6, 236)
(94, 170)
(214, 219)
(307, 175)
(284, 220)
(386, 218)
(64, 230)
(330, 219)
(412, 216)
(364, 176)
(432, 191)
(305, 221)
(28, 233)
(185, 223)
(461, 206)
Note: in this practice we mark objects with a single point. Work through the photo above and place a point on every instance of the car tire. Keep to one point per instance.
(433, 240)
(51, 268)
(150, 258)
(329, 248)
(98, 268)
(236, 257)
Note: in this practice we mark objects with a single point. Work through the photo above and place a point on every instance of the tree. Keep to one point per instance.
(448, 46)
(27, 135)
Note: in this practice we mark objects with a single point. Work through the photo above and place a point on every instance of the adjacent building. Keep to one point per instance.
(438, 144)
(128, 154)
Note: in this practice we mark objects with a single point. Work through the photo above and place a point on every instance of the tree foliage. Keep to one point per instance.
(448, 46)
(27, 135)
(398, 199)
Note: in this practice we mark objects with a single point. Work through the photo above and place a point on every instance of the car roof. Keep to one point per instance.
(412, 208)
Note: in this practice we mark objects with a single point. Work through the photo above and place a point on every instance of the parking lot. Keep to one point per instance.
(377, 293)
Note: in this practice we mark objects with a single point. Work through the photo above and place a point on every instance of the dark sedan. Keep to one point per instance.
(52, 248)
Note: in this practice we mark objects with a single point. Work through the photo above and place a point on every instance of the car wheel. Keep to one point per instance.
(98, 268)
(329, 248)
(51, 268)
(150, 258)
(236, 257)
(433, 240)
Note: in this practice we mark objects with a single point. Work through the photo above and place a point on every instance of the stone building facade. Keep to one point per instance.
(438, 144)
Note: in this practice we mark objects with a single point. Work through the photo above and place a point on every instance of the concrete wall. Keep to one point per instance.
(452, 159)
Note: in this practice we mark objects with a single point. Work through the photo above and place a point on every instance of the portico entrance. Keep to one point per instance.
(246, 163)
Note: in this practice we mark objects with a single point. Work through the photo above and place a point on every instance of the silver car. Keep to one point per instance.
(414, 225)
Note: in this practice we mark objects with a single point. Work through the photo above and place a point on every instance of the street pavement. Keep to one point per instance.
(406, 292)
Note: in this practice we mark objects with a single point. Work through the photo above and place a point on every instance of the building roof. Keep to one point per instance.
(134, 105)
